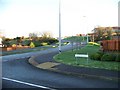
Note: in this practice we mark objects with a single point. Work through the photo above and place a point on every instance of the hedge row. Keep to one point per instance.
(105, 56)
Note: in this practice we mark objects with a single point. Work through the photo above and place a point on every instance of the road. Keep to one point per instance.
(26, 55)
(18, 73)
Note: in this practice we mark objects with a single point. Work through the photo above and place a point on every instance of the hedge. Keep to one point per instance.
(105, 56)
(108, 57)
(96, 56)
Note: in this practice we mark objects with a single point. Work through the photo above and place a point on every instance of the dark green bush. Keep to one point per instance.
(105, 56)
(108, 57)
(37, 43)
(101, 53)
(117, 58)
(96, 56)
(91, 56)
(48, 40)
(26, 42)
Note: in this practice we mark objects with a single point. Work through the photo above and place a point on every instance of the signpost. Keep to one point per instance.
(81, 56)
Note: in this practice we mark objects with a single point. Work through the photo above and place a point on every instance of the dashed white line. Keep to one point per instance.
(30, 84)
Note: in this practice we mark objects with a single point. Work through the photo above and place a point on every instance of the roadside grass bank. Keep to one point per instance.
(68, 58)
(35, 49)
(27, 50)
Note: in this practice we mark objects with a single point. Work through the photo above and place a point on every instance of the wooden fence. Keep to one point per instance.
(111, 45)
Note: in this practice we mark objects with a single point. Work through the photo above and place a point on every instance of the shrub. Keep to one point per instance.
(32, 45)
(96, 44)
(108, 57)
(117, 58)
(14, 45)
(26, 42)
(48, 40)
(12, 42)
(92, 56)
(93, 43)
(101, 53)
(96, 56)
(44, 44)
(37, 43)
(90, 43)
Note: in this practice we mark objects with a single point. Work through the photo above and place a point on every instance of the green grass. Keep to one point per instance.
(68, 58)
(76, 38)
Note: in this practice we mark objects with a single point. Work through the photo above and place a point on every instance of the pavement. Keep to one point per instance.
(46, 62)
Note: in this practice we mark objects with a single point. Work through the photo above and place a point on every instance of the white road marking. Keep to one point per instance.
(30, 84)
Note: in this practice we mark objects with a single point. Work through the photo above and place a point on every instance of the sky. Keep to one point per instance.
(21, 17)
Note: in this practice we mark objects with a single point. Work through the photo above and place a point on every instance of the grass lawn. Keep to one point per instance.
(68, 58)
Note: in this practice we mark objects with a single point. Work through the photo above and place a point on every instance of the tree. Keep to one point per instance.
(46, 34)
(109, 33)
(33, 36)
(6, 41)
(102, 33)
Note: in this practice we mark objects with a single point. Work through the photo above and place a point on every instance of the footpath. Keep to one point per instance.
(46, 62)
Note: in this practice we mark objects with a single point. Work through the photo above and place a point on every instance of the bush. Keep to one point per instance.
(32, 45)
(101, 53)
(96, 56)
(117, 58)
(90, 43)
(96, 44)
(14, 45)
(93, 43)
(49, 40)
(108, 57)
(26, 42)
(105, 57)
(37, 43)
(44, 44)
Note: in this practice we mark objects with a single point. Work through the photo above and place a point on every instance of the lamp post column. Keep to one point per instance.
(59, 26)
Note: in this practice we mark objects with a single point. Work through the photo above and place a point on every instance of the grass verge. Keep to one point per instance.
(69, 59)
(27, 50)
(30, 49)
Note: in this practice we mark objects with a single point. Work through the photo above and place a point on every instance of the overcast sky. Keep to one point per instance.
(21, 17)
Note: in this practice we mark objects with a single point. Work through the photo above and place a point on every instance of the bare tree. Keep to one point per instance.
(46, 34)
(33, 36)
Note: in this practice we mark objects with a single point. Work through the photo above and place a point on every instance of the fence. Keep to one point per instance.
(111, 45)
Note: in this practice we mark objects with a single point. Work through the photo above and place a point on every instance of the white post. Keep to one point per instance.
(59, 26)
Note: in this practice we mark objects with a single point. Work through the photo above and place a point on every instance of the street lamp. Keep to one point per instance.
(59, 26)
